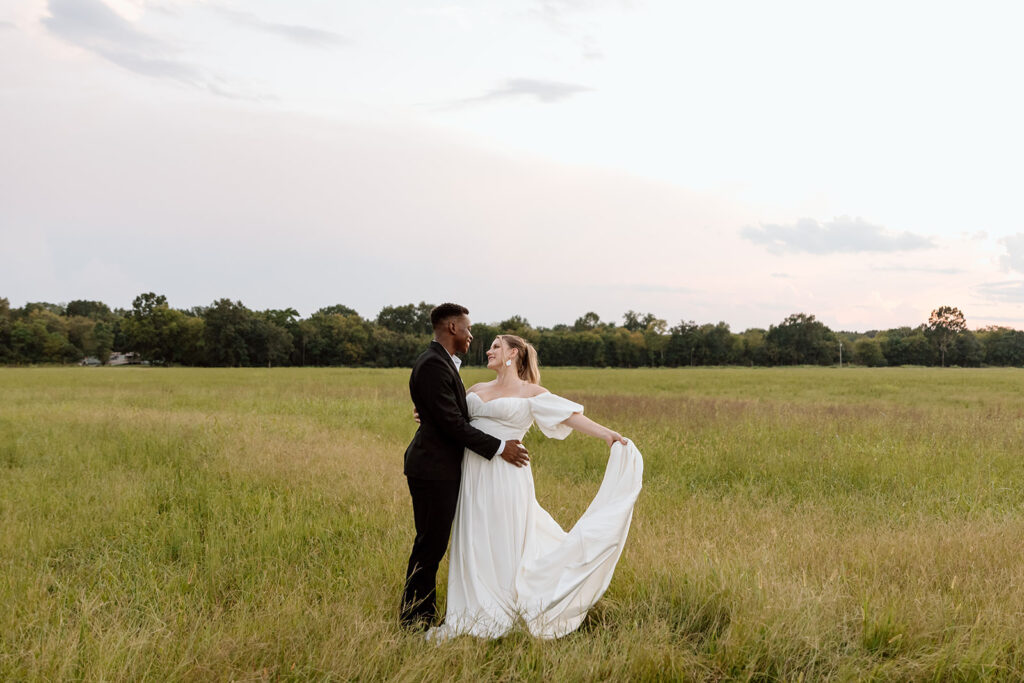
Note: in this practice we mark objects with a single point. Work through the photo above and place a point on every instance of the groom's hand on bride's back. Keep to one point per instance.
(515, 452)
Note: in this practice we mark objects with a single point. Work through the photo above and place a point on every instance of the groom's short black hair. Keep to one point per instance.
(442, 313)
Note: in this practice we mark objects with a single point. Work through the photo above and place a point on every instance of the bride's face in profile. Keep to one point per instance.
(498, 354)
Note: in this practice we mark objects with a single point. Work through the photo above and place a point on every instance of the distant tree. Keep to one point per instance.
(286, 318)
(905, 346)
(6, 353)
(587, 321)
(272, 336)
(752, 350)
(683, 343)
(868, 352)
(56, 309)
(395, 349)
(625, 348)
(656, 341)
(483, 336)
(227, 333)
(268, 343)
(637, 322)
(515, 325)
(41, 336)
(26, 342)
(148, 328)
(103, 333)
(801, 338)
(81, 333)
(715, 344)
(557, 347)
(339, 340)
(189, 340)
(967, 350)
(337, 309)
(1002, 346)
(306, 337)
(96, 310)
(944, 325)
(407, 319)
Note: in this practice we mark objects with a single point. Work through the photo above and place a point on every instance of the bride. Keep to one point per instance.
(509, 559)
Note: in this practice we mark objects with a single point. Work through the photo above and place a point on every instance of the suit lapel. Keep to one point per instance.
(436, 345)
(460, 395)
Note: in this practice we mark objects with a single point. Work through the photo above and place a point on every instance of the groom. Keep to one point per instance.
(433, 461)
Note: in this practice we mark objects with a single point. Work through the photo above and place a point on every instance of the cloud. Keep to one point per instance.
(453, 14)
(915, 269)
(91, 25)
(304, 35)
(591, 48)
(656, 289)
(8, 25)
(1014, 257)
(543, 91)
(1009, 291)
(841, 235)
(1000, 319)
(556, 9)
(562, 17)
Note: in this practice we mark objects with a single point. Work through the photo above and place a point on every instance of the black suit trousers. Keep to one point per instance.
(433, 508)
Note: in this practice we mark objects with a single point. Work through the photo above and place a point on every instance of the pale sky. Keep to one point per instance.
(735, 161)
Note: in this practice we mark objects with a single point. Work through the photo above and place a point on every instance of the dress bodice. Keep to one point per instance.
(508, 417)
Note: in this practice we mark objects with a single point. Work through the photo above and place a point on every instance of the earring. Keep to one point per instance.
(508, 363)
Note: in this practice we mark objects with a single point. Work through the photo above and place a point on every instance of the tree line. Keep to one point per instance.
(228, 334)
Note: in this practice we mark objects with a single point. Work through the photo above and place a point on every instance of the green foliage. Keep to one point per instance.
(6, 354)
(588, 321)
(227, 333)
(157, 332)
(411, 319)
(515, 325)
(868, 352)
(635, 322)
(1003, 346)
(945, 324)
(338, 339)
(32, 306)
(97, 310)
(801, 339)
(337, 309)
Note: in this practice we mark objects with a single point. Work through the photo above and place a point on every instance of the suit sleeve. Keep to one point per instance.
(441, 409)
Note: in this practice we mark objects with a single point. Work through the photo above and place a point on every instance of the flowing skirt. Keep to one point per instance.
(510, 559)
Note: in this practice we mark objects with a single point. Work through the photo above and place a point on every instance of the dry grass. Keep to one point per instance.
(253, 525)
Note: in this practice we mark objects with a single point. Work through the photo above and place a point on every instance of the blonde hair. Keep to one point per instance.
(527, 364)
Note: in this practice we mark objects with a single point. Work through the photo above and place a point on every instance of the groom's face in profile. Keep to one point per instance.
(461, 334)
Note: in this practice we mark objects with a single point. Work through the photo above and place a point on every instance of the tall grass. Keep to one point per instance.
(254, 524)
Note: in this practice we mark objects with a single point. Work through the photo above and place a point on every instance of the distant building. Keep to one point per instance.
(124, 358)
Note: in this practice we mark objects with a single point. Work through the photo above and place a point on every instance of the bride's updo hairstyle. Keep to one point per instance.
(526, 361)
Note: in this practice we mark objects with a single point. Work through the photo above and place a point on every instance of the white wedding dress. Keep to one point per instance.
(509, 559)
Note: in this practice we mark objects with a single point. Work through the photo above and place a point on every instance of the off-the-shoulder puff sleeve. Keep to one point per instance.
(549, 411)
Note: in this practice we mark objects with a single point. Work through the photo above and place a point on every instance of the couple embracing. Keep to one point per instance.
(469, 477)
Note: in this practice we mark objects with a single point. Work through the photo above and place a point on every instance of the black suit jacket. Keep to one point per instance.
(444, 432)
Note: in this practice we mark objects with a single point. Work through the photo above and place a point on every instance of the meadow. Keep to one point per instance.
(253, 524)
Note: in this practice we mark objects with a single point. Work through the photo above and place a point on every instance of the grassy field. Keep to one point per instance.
(178, 524)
